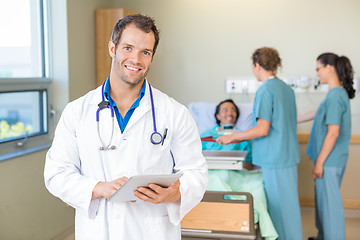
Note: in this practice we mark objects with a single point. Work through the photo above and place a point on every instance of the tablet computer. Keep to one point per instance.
(126, 191)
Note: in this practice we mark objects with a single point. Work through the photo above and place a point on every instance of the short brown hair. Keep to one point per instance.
(142, 22)
(268, 58)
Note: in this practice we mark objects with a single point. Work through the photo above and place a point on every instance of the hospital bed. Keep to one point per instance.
(242, 181)
(217, 217)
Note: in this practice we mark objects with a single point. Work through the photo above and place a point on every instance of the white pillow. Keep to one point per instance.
(204, 115)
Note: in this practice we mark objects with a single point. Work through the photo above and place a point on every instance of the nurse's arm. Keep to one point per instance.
(157, 194)
(328, 145)
(261, 129)
(107, 189)
(306, 116)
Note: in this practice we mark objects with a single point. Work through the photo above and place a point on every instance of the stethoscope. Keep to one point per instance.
(155, 137)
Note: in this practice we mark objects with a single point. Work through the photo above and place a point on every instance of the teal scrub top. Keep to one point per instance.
(275, 102)
(242, 146)
(333, 110)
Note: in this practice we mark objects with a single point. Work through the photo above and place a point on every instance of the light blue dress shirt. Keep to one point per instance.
(123, 121)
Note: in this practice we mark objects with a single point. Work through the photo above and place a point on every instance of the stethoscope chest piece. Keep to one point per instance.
(156, 138)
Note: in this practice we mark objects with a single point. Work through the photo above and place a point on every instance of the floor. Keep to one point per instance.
(352, 222)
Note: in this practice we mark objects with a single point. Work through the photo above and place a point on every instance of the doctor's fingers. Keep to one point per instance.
(110, 187)
(170, 194)
(146, 195)
(104, 189)
(120, 181)
(157, 194)
(165, 190)
(154, 193)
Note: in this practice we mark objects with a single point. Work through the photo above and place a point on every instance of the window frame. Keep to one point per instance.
(10, 149)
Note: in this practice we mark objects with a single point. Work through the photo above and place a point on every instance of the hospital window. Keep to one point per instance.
(25, 88)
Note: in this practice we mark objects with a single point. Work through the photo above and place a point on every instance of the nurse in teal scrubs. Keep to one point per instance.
(328, 145)
(275, 144)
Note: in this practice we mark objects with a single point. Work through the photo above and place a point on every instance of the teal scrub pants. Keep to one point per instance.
(329, 209)
(283, 201)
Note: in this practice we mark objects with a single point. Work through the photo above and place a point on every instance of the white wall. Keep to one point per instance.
(27, 209)
(81, 41)
(203, 42)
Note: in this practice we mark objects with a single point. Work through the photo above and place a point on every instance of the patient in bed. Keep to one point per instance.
(229, 118)
(226, 115)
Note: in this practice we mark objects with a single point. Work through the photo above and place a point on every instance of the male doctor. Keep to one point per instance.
(91, 156)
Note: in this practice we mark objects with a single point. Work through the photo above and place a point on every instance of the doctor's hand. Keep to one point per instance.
(107, 189)
(225, 139)
(157, 194)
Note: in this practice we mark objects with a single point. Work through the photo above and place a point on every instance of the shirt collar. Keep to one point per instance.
(107, 90)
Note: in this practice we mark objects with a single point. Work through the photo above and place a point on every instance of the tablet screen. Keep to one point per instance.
(126, 191)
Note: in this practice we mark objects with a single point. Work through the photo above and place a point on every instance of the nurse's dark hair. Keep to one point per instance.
(218, 109)
(343, 70)
(145, 23)
(268, 58)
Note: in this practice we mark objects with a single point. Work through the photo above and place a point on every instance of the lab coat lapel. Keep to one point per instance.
(97, 97)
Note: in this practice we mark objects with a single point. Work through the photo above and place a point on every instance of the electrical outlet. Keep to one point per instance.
(245, 85)
(233, 86)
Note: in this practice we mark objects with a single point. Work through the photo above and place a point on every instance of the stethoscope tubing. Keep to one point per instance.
(152, 107)
(155, 138)
(102, 106)
(155, 134)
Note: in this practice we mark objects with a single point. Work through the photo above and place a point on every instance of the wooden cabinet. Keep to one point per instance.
(105, 20)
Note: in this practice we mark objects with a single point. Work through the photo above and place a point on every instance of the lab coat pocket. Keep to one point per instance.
(86, 228)
(157, 157)
(160, 228)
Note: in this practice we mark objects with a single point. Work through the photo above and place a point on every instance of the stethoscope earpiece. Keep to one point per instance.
(103, 104)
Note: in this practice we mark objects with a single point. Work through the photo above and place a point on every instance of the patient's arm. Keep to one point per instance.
(306, 116)
(260, 130)
(249, 166)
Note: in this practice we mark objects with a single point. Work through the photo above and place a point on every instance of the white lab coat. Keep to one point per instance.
(74, 165)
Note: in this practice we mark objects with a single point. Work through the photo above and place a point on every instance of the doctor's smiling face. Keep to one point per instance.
(132, 57)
